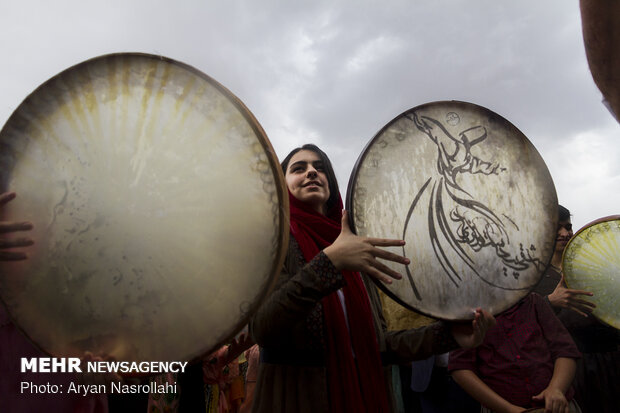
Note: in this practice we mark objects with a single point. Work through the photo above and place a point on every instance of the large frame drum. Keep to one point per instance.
(472, 198)
(159, 208)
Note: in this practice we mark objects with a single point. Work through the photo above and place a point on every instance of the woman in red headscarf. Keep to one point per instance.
(322, 336)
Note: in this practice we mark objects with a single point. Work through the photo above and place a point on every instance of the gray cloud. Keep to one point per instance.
(335, 72)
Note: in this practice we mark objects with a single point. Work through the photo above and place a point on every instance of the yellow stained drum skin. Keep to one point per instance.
(591, 262)
(160, 212)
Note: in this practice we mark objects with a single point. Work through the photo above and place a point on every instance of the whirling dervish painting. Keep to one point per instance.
(472, 199)
(469, 221)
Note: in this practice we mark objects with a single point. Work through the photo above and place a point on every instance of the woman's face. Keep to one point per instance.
(565, 233)
(306, 180)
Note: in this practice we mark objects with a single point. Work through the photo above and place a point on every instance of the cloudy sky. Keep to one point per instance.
(335, 72)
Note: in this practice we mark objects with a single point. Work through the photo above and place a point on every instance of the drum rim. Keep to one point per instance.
(591, 224)
(353, 181)
(259, 132)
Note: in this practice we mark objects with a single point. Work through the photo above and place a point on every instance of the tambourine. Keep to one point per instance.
(591, 262)
(471, 197)
(159, 208)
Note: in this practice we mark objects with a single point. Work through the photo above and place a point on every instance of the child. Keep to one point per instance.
(526, 360)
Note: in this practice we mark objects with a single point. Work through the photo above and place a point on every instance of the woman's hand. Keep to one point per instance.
(472, 335)
(354, 253)
(571, 299)
(7, 227)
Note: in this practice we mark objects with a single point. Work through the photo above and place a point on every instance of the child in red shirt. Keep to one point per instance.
(526, 360)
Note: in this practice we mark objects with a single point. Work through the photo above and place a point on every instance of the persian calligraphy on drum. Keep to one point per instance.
(159, 209)
(472, 198)
(591, 262)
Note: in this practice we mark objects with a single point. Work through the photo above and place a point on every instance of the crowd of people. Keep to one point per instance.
(319, 342)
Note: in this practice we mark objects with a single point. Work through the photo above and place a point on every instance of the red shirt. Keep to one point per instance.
(517, 356)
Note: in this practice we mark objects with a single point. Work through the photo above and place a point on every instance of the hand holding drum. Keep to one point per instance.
(360, 254)
(571, 299)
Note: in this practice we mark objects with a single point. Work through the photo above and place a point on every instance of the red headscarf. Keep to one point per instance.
(355, 384)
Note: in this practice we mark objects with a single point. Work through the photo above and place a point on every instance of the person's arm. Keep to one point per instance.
(405, 346)
(296, 295)
(476, 388)
(293, 298)
(438, 338)
(554, 395)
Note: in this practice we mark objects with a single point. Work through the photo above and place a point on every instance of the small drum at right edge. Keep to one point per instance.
(591, 262)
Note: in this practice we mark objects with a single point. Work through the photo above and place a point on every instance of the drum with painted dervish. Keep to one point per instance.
(159, 208)
(591, 262)
(472, 198)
